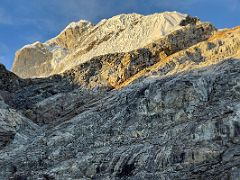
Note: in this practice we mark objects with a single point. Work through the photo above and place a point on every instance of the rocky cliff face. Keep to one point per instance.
(82, 41)
(169, 109)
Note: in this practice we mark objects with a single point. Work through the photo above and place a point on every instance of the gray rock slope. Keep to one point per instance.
(169, 110)
(185, 126)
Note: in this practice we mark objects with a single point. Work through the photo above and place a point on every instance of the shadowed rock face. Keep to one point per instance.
(169, 110)
(9, 81)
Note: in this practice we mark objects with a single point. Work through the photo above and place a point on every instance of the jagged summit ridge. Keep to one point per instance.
(81, 41)
(79, 24)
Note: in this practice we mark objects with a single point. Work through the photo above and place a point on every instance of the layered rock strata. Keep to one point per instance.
(82, 41)
(168, 110)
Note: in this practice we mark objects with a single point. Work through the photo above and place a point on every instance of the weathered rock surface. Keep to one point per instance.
(82, 41)
(113, 69)
(169, 110)
(9, 81)
(180, 127)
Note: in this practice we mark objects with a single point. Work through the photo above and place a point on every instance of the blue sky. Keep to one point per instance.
(26, 21)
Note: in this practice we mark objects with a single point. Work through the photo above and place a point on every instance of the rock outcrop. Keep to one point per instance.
(169, 109)
(9, 81)
(82, 41)
(114, 69)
